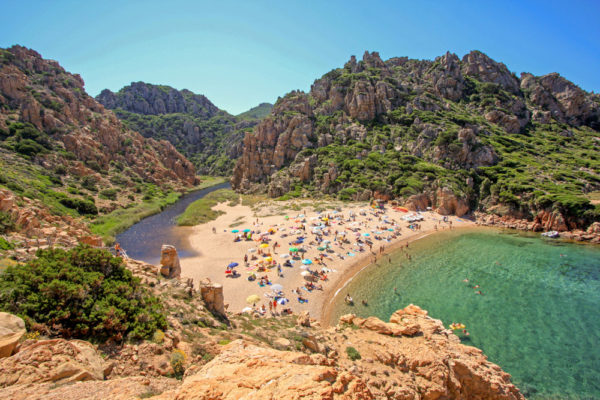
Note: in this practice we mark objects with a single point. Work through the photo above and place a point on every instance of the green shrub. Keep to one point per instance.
(81, 293)
(5, 244)
(353, 354)
(7, 222)
(110, 194)
(178, 358)
(83, 207)
(89, 182)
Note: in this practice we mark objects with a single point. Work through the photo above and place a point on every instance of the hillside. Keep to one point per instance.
(258, 112)
(63, 154)
(209, 137)
(457, 135)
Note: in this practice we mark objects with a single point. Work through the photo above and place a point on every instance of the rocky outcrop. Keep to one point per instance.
(40, 92)
(169, 262)
(56, 360)
(12, 328)
(212, 295)
(245, 370)
(444, 201)
(145, 98)
(479, 65)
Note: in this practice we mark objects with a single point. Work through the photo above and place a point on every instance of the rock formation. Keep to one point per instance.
(57, 360)
(212, 295)
(40, 92)
(211, 137)
(454, 130)
(12, 328)
(169, 262)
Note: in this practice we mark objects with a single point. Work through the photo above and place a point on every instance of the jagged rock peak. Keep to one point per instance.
(148, 99)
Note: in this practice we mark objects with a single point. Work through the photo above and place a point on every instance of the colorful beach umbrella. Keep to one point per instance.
(268, 259)
(233, 265)
(283, 301)
(246, 230)
(307, 261)
(293, 249)
(284, 255)
(321, 248)
(305, 273)
(235, 230)
(366, 234)
(264, 246)
(253, 299)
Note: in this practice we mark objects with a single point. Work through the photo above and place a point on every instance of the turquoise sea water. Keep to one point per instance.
(538, 317)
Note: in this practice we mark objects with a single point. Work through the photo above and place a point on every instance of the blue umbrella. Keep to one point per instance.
(246, 230)
(233, 265)
(366, 234)
(235, 230)
(308, 261)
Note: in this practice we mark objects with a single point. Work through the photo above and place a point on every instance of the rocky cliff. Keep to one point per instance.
(411, 357)
(53, 102)
(210, 137)
(455, 134)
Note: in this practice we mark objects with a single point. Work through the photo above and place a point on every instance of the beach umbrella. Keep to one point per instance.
(321, 248)
(246, 230)
(235, 230)
(325, 219)
(326, 241)
(233, 265)
(284, 255)
(251, 250)
(253, 299)
(286, 217)
(276, 287)
(247, 310)
(366, 234)
(283, 301)
(293, 249)
(305, 273)
(264, 245)
(269, 259)
(301, 216)
(307, 261)
(304, 267)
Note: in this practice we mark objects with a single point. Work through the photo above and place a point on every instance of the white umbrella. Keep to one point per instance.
(305, 273)
(247, 310)
(251, 250)
(305, 267)
(284, 255)
(276, 287)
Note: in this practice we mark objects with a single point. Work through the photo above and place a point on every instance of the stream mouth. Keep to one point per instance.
(143, 240)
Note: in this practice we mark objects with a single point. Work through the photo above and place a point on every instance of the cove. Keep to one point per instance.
(538, 316)
(143, 240)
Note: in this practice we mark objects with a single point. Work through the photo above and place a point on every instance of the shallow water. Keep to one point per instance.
(538, 317)
(143, 240)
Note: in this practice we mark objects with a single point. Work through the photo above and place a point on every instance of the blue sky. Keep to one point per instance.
(241, 53)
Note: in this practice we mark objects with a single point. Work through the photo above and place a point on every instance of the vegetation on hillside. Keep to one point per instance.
(201, 210)
(80, 293)
(258, 112)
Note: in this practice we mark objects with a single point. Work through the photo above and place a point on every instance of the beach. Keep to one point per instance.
(336, 234)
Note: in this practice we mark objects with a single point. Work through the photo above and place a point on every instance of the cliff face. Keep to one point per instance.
(411, 357)
(210, 137)
(41, 93)
(468, 130)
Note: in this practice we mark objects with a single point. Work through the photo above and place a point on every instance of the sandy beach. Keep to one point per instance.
(364, 235)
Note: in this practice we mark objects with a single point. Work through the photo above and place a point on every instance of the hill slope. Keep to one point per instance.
(454, 134)
(258, 112)
(209, 137)
(60, 147)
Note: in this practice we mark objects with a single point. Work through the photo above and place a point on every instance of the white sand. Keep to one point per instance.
(217, 250)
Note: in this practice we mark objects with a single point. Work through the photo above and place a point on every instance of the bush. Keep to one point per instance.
(7, 222)
(353, 354)
(178, 358)
(89, 183)
(83, 207)
(110, 194)
(81, 293)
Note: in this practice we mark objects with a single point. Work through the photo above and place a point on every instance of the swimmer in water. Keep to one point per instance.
(479, 292)
(465, 280)
(476, 287)
(465, 332)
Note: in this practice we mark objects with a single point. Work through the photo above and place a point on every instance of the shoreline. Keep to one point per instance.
(215, 249)
(362, 264)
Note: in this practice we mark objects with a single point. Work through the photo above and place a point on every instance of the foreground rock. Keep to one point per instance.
(411, 357)
(57, 360)
(12, 328)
